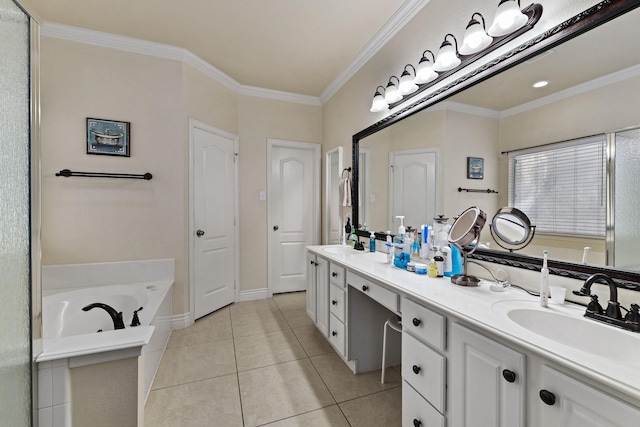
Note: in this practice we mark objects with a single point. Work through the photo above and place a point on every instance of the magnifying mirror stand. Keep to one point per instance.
(464, 279)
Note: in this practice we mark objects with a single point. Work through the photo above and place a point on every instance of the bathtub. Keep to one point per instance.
(70, 337)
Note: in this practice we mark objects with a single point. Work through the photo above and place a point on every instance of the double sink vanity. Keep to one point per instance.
(472, 357)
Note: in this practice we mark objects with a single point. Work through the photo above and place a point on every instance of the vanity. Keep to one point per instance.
(472, 357)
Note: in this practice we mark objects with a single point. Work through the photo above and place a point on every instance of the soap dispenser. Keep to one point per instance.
(372, 242)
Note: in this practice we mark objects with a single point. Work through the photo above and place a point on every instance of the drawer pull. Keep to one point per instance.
(417, 422)
(334, 333)
(548, 397)
(334, 274)
(416, 322)
(334, 302)
(365, 288)
(416, 369)
(510, 376)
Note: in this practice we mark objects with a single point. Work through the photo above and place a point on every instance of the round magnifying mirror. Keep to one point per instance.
(511, 228)
(467, 228)
(464, 232)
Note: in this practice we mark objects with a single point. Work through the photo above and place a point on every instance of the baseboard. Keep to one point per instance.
(253, 294)
(181, 321)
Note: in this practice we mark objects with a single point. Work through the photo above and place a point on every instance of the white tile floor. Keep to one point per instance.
(264, 363)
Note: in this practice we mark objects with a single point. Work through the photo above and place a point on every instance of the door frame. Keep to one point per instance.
(428, 150)
(196, 124)
(317, 164)
(329, 184)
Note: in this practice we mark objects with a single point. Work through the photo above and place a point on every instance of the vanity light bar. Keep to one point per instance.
(477, 43)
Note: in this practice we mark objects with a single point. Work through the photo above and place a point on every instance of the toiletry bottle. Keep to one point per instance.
(399, 259)
(389, 246)
(433, 269)
(372, 242)
(415, 247)
(456, 260)
(424, 248)
(352, 237)
(446, 254)
(544, 282)
(439, 264)
(408, 244)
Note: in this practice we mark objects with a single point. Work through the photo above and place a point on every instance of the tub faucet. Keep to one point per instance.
(613, 308)
(116, 316)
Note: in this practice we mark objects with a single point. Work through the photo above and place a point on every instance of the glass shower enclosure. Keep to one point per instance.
(15, 217)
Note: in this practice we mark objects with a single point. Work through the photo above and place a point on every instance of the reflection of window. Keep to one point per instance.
(562, 187)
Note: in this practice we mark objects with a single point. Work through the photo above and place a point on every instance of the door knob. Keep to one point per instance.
(275, 228)
(199, 233)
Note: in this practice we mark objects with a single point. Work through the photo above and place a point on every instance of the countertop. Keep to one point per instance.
(486, 311)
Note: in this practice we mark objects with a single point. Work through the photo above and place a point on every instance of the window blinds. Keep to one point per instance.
(562, 187)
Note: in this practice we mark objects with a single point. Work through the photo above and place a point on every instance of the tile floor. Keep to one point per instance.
(262, 363)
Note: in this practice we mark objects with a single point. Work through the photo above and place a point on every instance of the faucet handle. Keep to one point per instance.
(594, 306)
(136, 321)
(633, 316)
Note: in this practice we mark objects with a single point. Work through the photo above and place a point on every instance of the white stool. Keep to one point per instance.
(395, 323)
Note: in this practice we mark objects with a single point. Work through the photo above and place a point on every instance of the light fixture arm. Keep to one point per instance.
(484, 25)
(433, 57)
(394, 77)
(455, 41)
(412, 67)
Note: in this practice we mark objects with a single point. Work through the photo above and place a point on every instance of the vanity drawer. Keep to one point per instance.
(336, 302)
(424, 324)
(424, 369)
(416, 410)
(376, 292)
(336, 274)
(337, 334)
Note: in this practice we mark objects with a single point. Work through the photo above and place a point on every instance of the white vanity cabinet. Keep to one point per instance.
(337, 308)
(487, 381)
(318, 291)
(424, 366)
(565, 401)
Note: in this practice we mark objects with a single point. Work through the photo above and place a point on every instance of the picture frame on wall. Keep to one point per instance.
(108, 137)
(475, 168)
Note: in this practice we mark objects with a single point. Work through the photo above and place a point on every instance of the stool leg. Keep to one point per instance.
(384, 349)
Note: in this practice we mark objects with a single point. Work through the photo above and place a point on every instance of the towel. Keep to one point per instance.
(345, 188)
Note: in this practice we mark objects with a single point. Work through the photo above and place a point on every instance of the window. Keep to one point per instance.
(562, 187)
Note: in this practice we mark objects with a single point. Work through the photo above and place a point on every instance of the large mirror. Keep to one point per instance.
(593, 62)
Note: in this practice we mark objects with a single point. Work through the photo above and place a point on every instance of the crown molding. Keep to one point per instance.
(159, 50)
(399, 19)
(589, 86)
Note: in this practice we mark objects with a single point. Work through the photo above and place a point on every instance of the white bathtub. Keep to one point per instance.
(63, 315)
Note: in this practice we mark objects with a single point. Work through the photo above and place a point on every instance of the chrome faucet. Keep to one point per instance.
(613, 307)
(116, 316)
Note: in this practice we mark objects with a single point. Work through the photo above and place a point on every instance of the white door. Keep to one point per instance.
(413, 185)
(294, 212)
(213, 229)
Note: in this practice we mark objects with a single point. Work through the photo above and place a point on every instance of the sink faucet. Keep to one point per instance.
(116, 316)
(613, 308)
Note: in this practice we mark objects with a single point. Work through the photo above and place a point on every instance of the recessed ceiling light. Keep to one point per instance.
(541, 83)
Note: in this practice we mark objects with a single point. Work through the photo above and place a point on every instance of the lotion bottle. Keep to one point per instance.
(372, 242)
(389, 246)
(544, 282)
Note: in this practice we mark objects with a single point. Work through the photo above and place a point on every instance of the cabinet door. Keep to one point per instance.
(487, 381)
(572, 403)
(311, 286)
(322, 295)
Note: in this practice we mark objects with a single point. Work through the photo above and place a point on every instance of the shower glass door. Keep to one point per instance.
(15, 269)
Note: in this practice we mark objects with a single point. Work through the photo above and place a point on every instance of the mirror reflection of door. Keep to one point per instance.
(413, 187)
(333, 220)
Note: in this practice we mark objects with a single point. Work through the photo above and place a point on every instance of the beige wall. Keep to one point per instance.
(92, 220)
(260, 119)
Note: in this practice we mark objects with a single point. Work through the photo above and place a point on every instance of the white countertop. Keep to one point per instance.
(478, 307)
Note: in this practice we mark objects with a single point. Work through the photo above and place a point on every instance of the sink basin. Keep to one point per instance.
(341, 250)
(567, 326)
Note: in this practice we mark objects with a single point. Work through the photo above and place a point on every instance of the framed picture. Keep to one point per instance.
(108, 137)
(475, 168)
